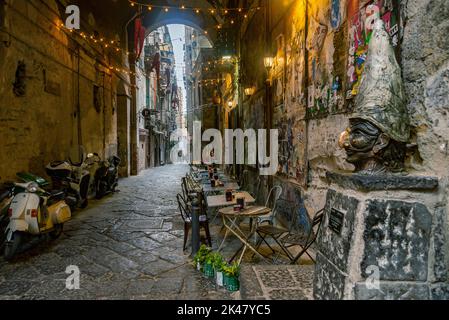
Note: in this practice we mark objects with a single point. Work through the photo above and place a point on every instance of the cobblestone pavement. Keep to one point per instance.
(127, 246)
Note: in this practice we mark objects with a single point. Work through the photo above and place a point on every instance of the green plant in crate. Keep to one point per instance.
(231, 277)
(201, 256)
(208, 267)
(218, 264)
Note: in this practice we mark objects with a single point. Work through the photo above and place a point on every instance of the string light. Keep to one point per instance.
(61, 27)
(196, 10)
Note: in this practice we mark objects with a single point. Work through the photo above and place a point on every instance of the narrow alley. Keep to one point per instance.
(224, 150)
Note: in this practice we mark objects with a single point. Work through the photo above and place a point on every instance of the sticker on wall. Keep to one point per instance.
(360, 31)
(316, 37)
(311, 97)
(335, 14)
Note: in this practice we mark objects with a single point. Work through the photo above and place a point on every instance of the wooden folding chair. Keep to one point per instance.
(304, 240)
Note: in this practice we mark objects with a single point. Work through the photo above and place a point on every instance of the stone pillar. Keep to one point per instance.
(382, 237)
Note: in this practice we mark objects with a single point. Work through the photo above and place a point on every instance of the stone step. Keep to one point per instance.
(276, 282)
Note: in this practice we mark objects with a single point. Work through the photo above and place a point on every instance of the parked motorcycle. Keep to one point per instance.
(34, 211)
(106, 177)
(7, 193)
(72, 178)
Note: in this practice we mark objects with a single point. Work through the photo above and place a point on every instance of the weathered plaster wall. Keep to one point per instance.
(41, 125)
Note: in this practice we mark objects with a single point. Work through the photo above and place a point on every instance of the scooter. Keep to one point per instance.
(35, 212)
(72, 178)
(7, 193)
(106, 177)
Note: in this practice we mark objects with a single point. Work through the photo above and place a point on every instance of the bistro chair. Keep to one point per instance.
(286, 238)
(185, 210)
(273, 196)
(304, 241)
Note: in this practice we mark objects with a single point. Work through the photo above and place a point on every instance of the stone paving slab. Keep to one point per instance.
(277, 282)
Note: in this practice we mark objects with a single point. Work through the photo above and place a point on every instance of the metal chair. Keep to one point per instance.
(286, 238)
(185, 210)
(273, 196)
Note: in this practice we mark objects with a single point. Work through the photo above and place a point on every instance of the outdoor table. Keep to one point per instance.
(206, 176)
(229, 221)
(220, 200)
(207, 188)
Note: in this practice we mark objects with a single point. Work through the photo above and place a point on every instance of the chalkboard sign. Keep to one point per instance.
(336, 219)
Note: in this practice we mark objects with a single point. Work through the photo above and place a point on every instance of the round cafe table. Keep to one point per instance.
(229, 221)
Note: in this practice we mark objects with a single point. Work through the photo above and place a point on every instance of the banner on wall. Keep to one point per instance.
(139, 37)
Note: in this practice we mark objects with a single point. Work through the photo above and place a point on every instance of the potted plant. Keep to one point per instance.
(201, 257)
(231, 277)
(218, 264)
(208, 266)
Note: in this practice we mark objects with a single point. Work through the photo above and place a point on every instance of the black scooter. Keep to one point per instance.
(106, 177)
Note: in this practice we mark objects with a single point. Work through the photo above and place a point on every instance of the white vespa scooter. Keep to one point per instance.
(35, 212)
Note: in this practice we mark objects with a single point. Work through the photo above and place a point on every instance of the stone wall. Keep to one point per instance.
(39, 115)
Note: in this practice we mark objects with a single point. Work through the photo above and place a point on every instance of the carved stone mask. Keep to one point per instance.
(379, 129)
(370, 150)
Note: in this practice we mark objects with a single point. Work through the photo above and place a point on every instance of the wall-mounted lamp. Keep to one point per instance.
(250, 91)
(230, 104)
(268, 62)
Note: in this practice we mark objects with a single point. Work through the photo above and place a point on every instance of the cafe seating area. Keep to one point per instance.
(242, 225)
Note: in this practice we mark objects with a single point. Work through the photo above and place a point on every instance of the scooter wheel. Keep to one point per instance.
(56, 233)
(12, 247)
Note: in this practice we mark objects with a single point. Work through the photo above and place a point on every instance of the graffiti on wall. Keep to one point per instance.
(290, 97)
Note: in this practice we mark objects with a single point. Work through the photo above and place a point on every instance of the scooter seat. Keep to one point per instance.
(56, 164)
(55, 196)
